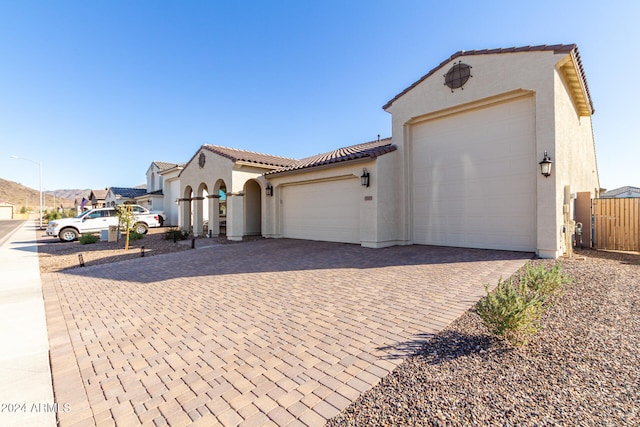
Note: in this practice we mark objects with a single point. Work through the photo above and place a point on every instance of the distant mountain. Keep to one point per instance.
(71, 194)
(19, 195)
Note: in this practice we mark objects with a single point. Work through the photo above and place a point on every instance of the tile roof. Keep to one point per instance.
(249, 156)
(98, 194)
(166, 165)
(128, 192)
(556, 48)
(617, 191)
(370, 149)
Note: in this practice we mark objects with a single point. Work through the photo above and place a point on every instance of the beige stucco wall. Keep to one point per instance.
(6, 211)
(171, 192)
(575, 156)
(381, 215)
(154, 180)
(496, 76)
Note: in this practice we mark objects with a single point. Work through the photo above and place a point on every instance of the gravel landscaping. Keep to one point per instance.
(55, 255)
(582, 368)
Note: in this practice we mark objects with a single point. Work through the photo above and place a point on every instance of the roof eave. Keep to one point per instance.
(558, 48)
(571, 69)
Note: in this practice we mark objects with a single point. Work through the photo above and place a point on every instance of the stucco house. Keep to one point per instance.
(97, 198)
(464, 165)
(7, 211)
(121, 195)
(163, 190)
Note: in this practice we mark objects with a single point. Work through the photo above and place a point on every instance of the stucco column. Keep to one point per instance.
(235, 216)
(184, 219)
(197, 216)
(214, 215)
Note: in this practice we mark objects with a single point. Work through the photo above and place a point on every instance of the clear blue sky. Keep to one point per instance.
(97, 90)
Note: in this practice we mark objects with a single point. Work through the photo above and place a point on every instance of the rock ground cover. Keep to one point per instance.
(582, 368)
(55, 255)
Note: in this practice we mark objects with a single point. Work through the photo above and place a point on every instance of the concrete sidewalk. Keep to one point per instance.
(26, 392)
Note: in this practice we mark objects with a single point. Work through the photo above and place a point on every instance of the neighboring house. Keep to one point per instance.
(119, 195)
(7, 211)
(97, 198)
(463, 166)
(163, 189)
(622, 192)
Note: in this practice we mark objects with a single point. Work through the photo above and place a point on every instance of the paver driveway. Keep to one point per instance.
(272, 332)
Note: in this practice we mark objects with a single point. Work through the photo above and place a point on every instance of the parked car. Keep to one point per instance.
(96, 220)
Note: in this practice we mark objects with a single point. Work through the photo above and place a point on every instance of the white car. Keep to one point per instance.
(96, 220)
(162, 217)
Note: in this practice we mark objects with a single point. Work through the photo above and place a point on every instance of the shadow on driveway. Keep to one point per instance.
(277, 255)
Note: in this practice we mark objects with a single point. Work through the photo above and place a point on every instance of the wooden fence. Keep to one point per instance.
(616, 224)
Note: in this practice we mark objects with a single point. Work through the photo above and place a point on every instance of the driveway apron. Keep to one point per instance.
(272, 332)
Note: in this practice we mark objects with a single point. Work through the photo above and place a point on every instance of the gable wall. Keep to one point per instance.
(495, 75)
(215, 167)
(575, 158)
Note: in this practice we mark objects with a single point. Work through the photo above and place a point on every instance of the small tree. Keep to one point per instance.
(126, 219)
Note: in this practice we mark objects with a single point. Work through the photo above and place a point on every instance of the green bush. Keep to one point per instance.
(513, 310)
(135, 236)
(546, 283)
(175, 234)
(86, 239)
(53, 215)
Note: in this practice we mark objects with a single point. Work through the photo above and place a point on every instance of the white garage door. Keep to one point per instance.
(474, 178)
(327, 211)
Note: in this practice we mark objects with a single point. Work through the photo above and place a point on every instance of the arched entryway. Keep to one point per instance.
(217, 202)
(252, 208)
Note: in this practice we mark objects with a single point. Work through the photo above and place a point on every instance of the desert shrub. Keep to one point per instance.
(547, 283)
(86, 239)
(513, 310)
(175, 234)
(135, 236)
(53, 215)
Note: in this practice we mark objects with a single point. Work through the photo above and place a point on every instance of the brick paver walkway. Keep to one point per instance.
(273, 332)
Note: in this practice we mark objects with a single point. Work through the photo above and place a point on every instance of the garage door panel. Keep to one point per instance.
(474, 179)
(327, 211)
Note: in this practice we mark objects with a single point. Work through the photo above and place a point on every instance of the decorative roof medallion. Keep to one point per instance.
(201, 159)
(457, 76)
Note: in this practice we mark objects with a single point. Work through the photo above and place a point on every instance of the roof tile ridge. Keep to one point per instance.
(240, 150)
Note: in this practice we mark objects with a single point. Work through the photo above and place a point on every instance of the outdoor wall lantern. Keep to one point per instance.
(364, 179)
(545, 165)
(269, 190)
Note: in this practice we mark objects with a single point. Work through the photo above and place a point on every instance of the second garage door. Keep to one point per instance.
(327, 211)
(474, 178)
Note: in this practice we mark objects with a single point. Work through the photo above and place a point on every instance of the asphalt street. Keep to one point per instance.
(7, 227)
